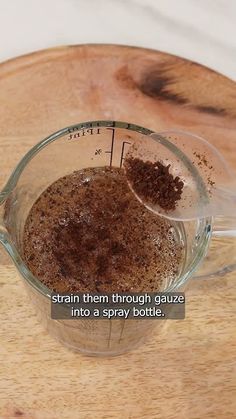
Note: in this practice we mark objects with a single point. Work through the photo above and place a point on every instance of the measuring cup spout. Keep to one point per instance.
(4, 237)
(2, 228)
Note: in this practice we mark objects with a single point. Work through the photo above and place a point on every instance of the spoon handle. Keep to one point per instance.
(225, 209)
(223, 203)
(224, 226)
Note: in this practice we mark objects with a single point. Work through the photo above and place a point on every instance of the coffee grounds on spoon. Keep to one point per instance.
(154, 183)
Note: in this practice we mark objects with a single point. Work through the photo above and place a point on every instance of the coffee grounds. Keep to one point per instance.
(202, 160)
(88, 233)
(207, 168)
(154, 183)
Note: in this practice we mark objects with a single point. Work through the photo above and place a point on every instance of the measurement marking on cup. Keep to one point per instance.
(112, 145)
(98, 152)
(76, 133)
(122, 152)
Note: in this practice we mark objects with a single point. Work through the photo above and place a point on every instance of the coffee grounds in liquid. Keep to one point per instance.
(88, 233)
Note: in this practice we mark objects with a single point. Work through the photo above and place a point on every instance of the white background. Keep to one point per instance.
(202, 30)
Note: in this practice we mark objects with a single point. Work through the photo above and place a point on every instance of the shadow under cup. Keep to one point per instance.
(92, 144)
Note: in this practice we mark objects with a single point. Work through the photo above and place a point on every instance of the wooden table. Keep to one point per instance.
(187, 371)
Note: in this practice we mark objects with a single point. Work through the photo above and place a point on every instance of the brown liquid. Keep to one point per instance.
(88, 233)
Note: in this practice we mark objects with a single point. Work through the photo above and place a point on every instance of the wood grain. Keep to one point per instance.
(186, 371)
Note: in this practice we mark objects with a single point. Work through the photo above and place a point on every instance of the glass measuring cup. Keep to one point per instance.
(90, 144)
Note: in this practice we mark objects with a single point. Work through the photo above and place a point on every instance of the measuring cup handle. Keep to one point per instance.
(221, 256)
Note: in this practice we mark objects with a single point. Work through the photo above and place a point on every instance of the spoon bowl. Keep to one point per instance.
(208, 182)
